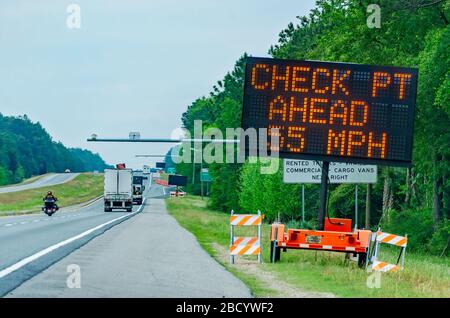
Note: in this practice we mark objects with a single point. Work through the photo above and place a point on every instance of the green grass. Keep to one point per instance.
(26, 181)
(423, 276)
(83, 188)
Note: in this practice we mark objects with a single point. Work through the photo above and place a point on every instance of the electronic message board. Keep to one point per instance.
(331, 111)
(161, 165)
(177, 180)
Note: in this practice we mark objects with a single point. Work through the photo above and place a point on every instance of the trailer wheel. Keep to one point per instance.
(274, 252)
(129, 209)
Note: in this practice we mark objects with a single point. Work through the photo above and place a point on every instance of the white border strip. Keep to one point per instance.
(49, 249)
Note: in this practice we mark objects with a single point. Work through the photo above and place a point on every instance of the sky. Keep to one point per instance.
(132, 65)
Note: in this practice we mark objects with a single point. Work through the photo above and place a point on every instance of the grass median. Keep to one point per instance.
(303, 273)
(26, 181)
(83, 188)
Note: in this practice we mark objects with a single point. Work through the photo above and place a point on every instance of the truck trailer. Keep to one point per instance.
(118, 193)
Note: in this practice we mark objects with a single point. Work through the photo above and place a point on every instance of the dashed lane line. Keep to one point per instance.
(42, 219)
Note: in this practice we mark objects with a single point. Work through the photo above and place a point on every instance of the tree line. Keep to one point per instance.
(416, 200)
(26, 150)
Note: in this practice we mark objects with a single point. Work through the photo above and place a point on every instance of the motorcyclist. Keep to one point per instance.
(51, 198)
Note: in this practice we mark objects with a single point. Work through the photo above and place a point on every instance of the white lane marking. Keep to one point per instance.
(49, 249)
(93, 202)
(23, 222)
(9, 224)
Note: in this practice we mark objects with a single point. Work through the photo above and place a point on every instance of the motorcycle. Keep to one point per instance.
(50, 207)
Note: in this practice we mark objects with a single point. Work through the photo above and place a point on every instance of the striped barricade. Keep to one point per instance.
(245, 245)
(245, 219)
(179, 194)
(384, 267)
(392, 239)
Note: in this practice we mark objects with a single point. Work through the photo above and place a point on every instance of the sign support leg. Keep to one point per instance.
(303, 204)
(201, 179)
(356, 207)
(232, 239)
(323, 194)
(260, 239)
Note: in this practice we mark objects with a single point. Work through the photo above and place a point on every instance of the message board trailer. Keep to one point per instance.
(177, 180)
(332, 112)
(329, 112)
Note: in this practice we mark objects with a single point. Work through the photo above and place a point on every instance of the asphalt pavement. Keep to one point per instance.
(45, 181)
(147, 255)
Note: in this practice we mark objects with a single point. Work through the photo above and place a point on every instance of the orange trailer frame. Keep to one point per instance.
(337, 236)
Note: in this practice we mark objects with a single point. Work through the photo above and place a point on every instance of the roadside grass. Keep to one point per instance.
(423, 276)
(26, 181)
(83, 188)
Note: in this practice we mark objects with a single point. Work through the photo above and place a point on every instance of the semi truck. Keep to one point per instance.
(138, 187)
(118, 190)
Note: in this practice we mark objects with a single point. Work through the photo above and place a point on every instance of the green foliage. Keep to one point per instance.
(268, 193)
(26, 149)
(416, 223)
(342, 201)
(4, 176)
(439, 243)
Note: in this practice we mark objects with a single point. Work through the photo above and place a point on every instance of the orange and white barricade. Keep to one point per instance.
(392, 239)
(177, 193)
(245, 245)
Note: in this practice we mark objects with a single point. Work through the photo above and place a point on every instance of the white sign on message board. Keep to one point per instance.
(307, 171)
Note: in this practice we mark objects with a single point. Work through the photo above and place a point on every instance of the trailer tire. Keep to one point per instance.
(129, 209)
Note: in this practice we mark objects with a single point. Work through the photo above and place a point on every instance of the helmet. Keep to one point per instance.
(49, 193)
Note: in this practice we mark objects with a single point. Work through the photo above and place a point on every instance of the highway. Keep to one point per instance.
(45, 181)
(145, 253)
(24, 236)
